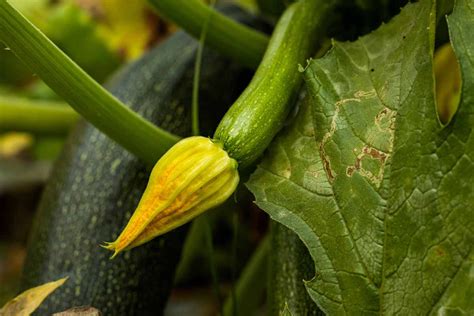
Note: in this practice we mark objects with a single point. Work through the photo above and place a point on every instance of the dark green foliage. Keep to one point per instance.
(273, 7)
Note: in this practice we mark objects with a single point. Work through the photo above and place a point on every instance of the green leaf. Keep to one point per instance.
(379, 192)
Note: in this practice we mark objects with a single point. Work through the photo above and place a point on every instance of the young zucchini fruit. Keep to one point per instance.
(177, 192)
(261, 110)
(96, 183)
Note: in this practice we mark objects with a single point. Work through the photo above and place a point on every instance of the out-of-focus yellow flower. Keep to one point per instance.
(128, 26)
(12, 143)
(448, 82)
(195, 175)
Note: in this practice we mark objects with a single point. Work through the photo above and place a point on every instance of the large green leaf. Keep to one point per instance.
(379, 192)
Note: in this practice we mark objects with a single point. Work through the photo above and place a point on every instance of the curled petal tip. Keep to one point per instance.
(112, 247)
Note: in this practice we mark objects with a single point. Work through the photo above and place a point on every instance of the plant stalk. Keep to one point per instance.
(251, 284)
(39, 117)
(212, 264)
(197, 75)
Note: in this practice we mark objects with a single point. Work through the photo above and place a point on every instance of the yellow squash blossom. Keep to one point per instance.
(195, 175)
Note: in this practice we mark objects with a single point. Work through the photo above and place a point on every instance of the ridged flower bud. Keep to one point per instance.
(196, 174)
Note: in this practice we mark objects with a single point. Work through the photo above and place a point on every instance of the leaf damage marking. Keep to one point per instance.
(369, 153)
(385, 122)
(365, 94)
(358, 97)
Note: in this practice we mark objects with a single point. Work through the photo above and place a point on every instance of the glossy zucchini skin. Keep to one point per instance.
(96, 185)
(261, 110)
(289, 266)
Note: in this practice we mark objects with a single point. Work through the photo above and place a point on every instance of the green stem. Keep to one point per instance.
(251, 284)
(192, 248)
(232, 39)
(212, 264)
(77, 88)
(24, 115)
(235, 236)
(196, 240)
(195, 96)
(197, 74)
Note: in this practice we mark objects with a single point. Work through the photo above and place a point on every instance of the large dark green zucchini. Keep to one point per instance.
(96, 185)
(289, 264)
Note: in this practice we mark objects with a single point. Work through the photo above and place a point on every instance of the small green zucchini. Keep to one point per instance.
(261, 110)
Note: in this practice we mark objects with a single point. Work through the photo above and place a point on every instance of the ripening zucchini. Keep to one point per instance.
(289, 266)
(96, 184)
(207, 173)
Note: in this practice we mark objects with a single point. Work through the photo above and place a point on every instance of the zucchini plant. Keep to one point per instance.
(360, 153)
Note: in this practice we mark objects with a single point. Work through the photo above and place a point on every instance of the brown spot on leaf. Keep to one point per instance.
(375, 153)
(326, 164)
(440, 251)
(350, 170)
(371, 153)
